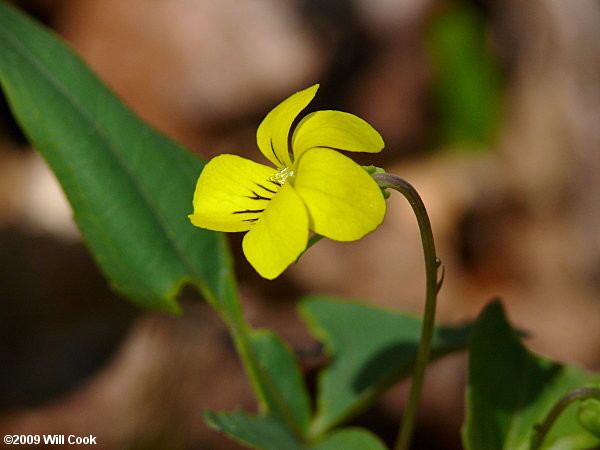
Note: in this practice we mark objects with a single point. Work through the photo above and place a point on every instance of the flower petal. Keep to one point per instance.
(232, 193)
(344, 203)
(281, 234)
(337, 130)
(274, 131)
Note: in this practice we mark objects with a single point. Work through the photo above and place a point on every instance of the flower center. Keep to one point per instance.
(281, 176)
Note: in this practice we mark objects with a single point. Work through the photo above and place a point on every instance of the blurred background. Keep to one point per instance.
(489, 108)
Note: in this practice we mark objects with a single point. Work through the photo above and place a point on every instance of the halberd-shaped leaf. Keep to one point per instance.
(511, 390)
(370, 348)
(130, 187)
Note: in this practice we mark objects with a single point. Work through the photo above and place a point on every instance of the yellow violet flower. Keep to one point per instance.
(312, 187)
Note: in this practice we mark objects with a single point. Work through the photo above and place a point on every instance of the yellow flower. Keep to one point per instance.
(313, 187)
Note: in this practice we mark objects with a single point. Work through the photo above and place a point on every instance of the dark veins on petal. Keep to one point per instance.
(275, 154)
(249, 211)
(255, 196)
(266, 188)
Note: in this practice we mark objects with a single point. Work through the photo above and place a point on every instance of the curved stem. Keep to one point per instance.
(542, 429)
(432, 263)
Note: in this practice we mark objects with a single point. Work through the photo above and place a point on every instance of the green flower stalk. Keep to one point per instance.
(433, 285)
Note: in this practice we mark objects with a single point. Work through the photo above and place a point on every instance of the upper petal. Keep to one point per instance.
(279, 236)
(231, 193)
(337, 130)
(344, 203)
(274, 131)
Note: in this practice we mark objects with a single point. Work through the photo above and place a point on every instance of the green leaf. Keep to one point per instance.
(130, 187)
(286, 406)
(576, 441)
(267, 433)
(279, 384)
(280, 381)
(263, 432)
(467, 80)
(588, 415)
(511, 390)
(370, 349)
(351, 439)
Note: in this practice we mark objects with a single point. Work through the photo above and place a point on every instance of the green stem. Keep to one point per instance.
(262, 384)
(432, 263)
(542, 429)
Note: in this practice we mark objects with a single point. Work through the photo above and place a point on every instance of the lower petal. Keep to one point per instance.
(279, 236)
(344, 203)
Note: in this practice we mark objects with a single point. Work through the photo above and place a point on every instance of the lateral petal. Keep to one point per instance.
(344, 203)
(281, 234)
(336, 130)
(231, 193)
(274, 131)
